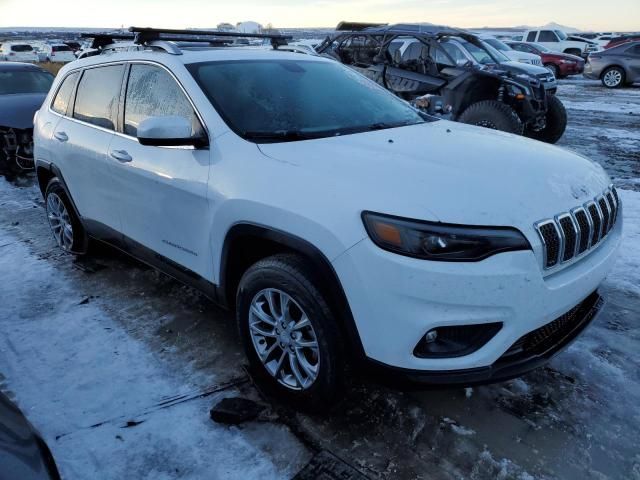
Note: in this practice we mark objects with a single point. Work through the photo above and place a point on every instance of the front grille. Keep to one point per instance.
(539, 341)
(573, 233)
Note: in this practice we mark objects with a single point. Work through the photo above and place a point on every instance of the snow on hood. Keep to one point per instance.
(16, 111)
(446, 171)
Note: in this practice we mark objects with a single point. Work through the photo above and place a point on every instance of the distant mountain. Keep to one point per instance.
(551, 26)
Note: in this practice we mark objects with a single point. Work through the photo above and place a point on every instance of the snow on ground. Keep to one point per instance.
(88, 355)
(70, 367)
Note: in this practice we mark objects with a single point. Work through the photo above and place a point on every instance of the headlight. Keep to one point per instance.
(441, 241)
(568, 62)
(515, 89)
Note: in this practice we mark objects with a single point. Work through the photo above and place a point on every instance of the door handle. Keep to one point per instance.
(121, 156)
(61, 136)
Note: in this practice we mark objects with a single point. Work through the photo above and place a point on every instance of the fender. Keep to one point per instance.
(330, 285)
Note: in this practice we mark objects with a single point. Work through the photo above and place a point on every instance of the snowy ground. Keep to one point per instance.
(118, 365)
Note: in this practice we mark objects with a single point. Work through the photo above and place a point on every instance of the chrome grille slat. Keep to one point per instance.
(572, 234)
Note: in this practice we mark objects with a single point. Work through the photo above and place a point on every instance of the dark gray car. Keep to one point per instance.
(616, 66)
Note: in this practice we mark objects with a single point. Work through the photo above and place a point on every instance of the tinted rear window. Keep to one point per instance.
(61, 48)
(21, 48)
(98, 96)
(25, 82)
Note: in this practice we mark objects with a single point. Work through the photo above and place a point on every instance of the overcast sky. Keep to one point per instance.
(585, 14)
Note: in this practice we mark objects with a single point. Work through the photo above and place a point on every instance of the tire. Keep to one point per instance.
(553, 69)
(556, 122)
(613, 77)
(492, 114)
(316, 388)
(66, 227)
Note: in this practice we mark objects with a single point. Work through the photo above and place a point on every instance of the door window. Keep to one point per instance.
(547, 36)
(98, 96)
(61, 101)
(531, 37)
(152, 92)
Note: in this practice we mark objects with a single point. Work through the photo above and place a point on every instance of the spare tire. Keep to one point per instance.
(556, 122)
(492, 114)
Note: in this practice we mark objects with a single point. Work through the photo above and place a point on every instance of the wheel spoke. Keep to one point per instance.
(272, 303)
(302, 323)
(307, 343)
(255, 328)
(265, 355)
(293, 363)
(309, 369)
(258, 312)
(279, 364)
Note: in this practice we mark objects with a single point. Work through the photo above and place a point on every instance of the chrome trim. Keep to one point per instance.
(537, 226)
(605, 231)
(613, 209)
(574, 212)
(587, 205)
(576, 231)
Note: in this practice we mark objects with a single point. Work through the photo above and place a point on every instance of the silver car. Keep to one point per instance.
(616, 66)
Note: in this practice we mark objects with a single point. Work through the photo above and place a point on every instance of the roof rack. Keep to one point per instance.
(164, 38)
(357, 26)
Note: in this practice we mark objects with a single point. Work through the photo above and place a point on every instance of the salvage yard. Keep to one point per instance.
(118, 366)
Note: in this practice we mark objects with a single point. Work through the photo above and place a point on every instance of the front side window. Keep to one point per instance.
(531, 37)
(60, 48)
(98, 96)
(547, 36)
(286, 100)
(497, 44)
(152, 92)
(24, 81)
(61, 101)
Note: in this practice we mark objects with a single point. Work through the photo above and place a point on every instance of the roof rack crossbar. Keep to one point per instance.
(145, 34)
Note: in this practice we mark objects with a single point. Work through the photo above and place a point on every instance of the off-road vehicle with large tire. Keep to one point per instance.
(453, 74)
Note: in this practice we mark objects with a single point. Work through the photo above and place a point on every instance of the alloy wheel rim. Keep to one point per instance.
(59, 221)
(612, 78)
(284, 339)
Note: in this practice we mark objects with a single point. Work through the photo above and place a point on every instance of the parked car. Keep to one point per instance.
(74, 46)
(615, 41)
(615, 67)
(342, 225)
(23, 453)
(59, 53)
(514, 55)
(23, 87)
(455, 75)
(558, 41)
(18, 52)
(560, 64)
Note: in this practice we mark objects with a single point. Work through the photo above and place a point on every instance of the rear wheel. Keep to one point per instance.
(290, 336)
(613, 77)
(492, 114)
(65, 225)
(556, 122)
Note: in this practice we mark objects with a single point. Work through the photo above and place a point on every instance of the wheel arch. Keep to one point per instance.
(45, 172)
(610, 66)
(246, 243)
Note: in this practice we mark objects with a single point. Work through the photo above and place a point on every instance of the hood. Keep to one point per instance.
(564, 56)
(519, 67)
(446, 172)
(16, 111)
(517, 55)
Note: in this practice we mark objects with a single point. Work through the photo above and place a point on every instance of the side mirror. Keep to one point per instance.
(169, 131)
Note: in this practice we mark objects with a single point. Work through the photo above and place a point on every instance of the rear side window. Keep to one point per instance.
(21, 48)
(635, 50)
(98, 96)
(60, 48)
(547, 36)
(152, 92)
(61, 100)
(531, 37)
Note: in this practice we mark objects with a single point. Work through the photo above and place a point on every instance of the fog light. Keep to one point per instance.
(455, 341)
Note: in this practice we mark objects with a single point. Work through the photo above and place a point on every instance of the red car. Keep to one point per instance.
(615, 41)
(560, 64)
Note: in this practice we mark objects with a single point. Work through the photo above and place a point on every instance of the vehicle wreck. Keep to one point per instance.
(23, 88)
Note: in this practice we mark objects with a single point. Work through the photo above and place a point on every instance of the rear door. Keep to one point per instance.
(162, 191)
(83, 140)
(632, 59)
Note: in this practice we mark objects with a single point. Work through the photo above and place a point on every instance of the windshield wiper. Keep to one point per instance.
(279, 136)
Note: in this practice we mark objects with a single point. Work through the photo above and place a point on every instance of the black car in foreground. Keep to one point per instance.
(450, 73)
(23, 453)
(23, 88)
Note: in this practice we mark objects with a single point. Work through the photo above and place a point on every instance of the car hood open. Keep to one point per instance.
(16, 111)
(447, 172)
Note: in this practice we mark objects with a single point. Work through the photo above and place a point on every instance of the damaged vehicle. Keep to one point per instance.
(23, 88)
(452, 74)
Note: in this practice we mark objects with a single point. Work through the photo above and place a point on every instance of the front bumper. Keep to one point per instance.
(396, 300)
(591, 72)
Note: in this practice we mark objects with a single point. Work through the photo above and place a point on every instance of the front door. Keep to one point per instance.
(162, 191)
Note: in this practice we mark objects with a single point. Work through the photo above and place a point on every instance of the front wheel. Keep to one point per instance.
(65, 224)
(290, 335)
(553, 68)
(492, 114)
(555, 122)
(613, 77)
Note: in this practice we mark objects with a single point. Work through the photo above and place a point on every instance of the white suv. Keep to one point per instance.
(342, 225)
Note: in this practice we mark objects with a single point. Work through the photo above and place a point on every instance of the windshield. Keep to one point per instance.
(497, 44)
(286, 100)
(540, 47)
(561, 34)
(24, 82)
(484, 56)
(21, 48)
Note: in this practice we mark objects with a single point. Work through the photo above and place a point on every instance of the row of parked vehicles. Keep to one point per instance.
(57, 52)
